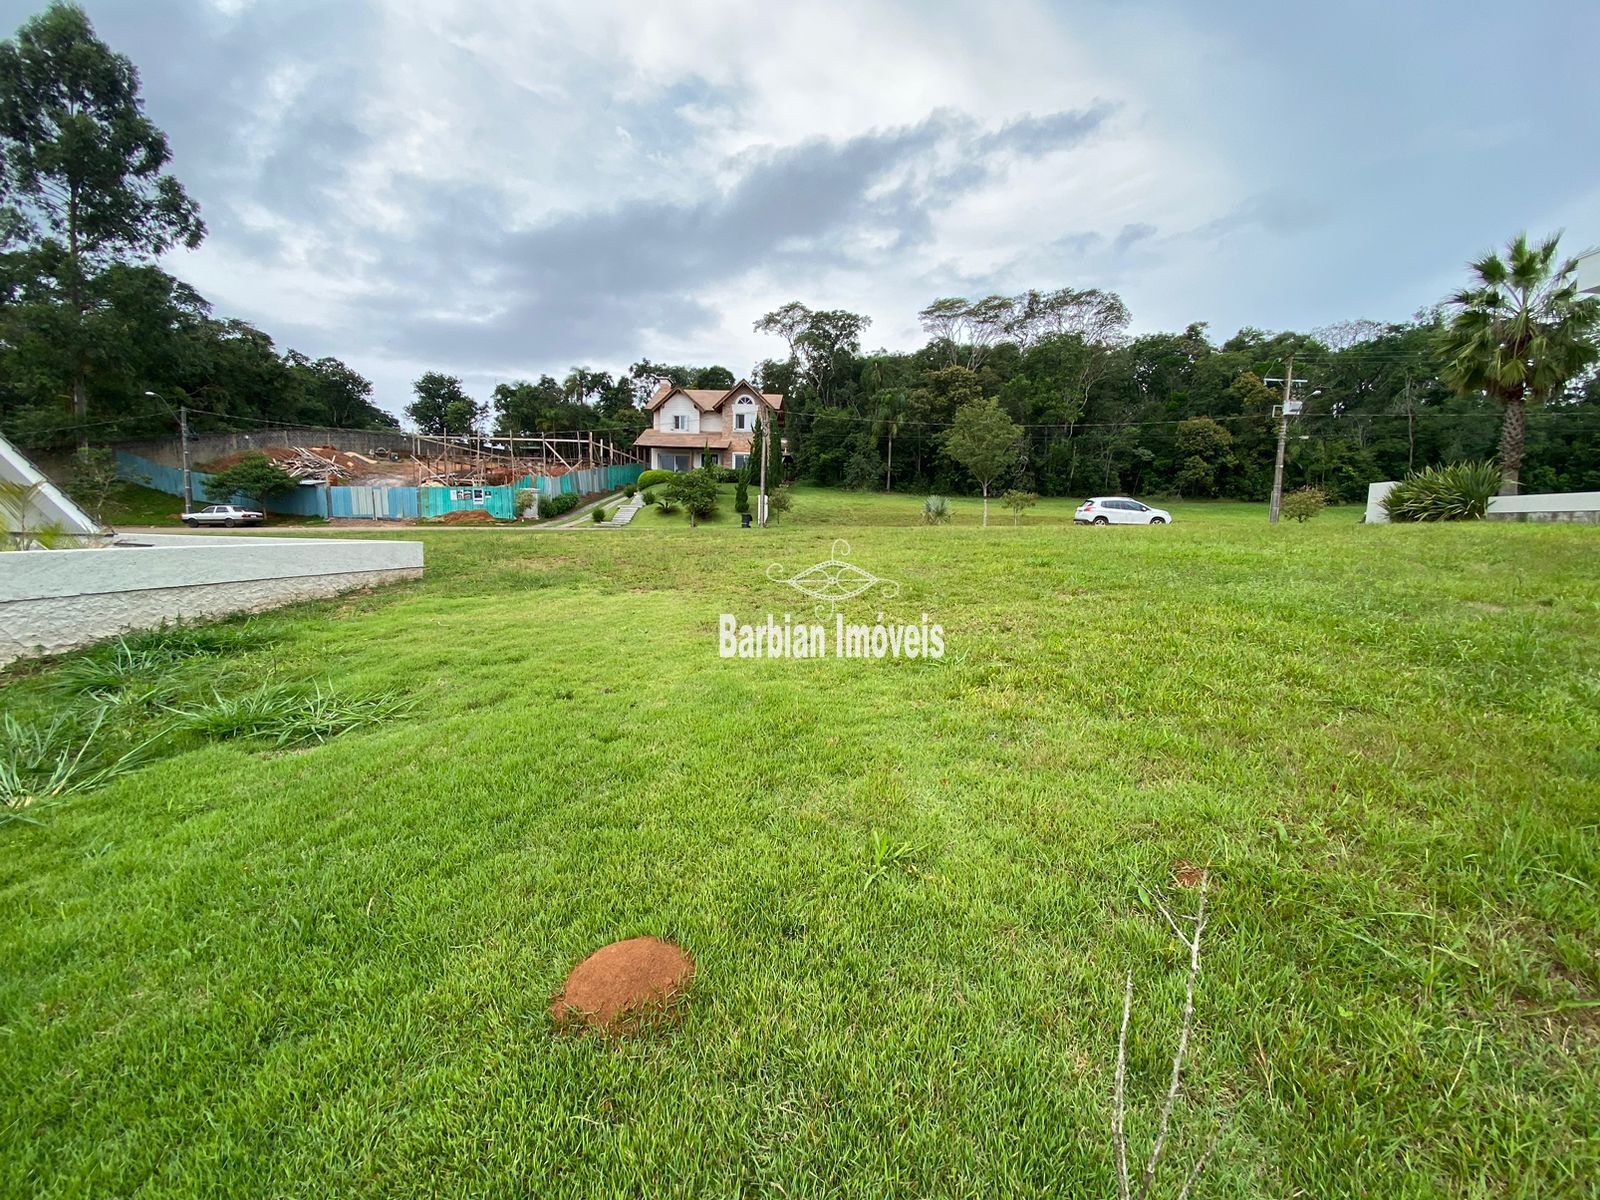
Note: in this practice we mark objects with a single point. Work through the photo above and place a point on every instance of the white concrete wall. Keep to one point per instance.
(49, 505)
(54, 600)
(1375, 494)
(678, 406)
(1580, 507)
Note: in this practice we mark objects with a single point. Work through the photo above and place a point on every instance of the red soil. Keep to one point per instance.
(619, 985)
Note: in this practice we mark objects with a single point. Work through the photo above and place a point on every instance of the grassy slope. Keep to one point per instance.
(133, 504)
(326, 972)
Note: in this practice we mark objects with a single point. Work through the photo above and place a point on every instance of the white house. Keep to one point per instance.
(696, 426)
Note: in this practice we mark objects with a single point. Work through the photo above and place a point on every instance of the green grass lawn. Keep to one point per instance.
(325, 971)
(134, 504)
(814, 507)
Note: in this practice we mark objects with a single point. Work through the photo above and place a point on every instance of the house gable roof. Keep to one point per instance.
(710, 399)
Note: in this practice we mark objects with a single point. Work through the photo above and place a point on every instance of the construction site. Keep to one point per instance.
(437, 462)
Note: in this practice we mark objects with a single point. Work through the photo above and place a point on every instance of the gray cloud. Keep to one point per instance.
(570, 284)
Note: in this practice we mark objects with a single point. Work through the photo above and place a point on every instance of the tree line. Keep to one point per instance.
(1095, 409)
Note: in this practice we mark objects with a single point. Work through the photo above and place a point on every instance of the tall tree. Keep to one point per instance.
(442, 408)
(82, 185)
(1519, 333)
(986, 442)
(821, 342)
(886, 424)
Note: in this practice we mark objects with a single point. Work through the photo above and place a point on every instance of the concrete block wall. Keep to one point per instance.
(1568, 507)
(55, 600)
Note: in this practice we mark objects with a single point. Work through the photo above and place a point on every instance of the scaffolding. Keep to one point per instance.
(483, 460)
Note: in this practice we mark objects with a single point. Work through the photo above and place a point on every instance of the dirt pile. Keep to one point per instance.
(622, 985)
(466, 516)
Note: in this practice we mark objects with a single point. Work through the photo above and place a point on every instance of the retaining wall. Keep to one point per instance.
(1580, 507)
(54, 600)
(206, 447)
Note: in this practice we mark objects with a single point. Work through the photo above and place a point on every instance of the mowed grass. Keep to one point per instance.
(814, 507)
(326, 971)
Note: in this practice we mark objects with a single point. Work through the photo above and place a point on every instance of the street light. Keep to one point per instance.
(183, 445)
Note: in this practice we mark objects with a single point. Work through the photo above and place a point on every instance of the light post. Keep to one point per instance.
(183, 443)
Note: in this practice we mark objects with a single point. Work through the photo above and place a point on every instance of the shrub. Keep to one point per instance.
(695, 491)
(650, 497)
(1018, 502)
(727, 474)
(525, 499)
(555, 506)
(935, 511)
(741, 495)
(598, 514)
(863, 471)
(1459, 492)
(93, 479)
(653, 477)
(779, 502)
(1303, 504)
(255, 475)
(627, 492)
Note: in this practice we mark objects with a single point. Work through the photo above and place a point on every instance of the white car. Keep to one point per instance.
(227, 515)
(1119, 510)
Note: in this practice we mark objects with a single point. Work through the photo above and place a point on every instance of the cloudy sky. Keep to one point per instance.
(497, 188)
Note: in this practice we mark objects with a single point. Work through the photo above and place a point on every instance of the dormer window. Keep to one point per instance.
(680, 422)
(743, 414)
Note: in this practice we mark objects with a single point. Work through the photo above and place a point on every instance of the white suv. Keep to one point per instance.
(1119, 510)
(226, 515)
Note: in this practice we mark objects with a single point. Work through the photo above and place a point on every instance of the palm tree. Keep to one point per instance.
(891, 412)
(1519, 333)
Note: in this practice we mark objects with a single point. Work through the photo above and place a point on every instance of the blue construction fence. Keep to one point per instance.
(388, 503)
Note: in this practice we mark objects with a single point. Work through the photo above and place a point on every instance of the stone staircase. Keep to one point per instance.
(626, 513)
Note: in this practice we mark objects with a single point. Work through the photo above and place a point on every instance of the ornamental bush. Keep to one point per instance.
(1303, 504)
(1458, 492)
(653, 477)
(555, 506)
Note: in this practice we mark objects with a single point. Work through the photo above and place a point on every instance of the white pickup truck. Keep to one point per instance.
(227, 515)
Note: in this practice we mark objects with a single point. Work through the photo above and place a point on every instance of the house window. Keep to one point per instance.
(675, 462)
(739, 461)
(680, 422)
(743, 414)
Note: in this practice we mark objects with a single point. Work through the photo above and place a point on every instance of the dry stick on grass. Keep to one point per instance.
(1119, 1135)
(1191, 942)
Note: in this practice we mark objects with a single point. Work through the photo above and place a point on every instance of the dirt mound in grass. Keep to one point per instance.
(622, 985)
(467, 516)
(1187, 874)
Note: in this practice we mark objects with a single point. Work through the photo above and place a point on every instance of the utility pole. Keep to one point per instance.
(1283, 438)
(183, 439)
(183, 448)
(766, 444)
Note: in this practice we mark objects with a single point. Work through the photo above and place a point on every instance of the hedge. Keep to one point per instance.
(653, 477)
(555, 506)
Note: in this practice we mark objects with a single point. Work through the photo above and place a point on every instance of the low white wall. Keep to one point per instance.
(53, 600)
(1582, 507)
(1375, 494)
